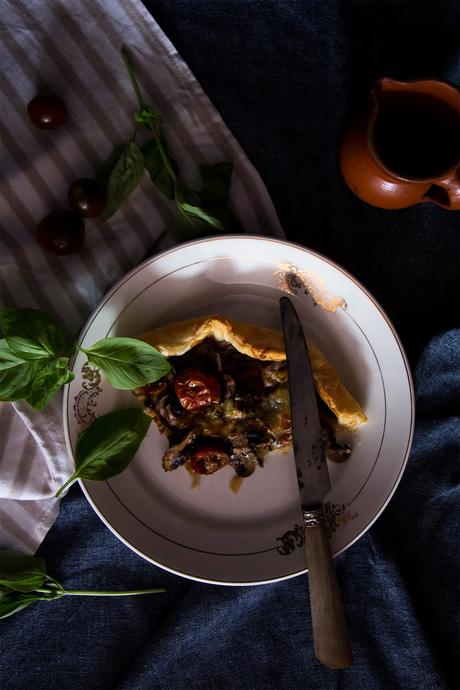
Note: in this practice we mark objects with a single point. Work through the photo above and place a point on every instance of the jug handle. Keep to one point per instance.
(446, 191)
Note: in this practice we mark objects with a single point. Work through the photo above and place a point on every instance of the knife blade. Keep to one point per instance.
(330, 634)
(309, 453)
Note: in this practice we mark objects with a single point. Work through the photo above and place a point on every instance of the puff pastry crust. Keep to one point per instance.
(260, 343)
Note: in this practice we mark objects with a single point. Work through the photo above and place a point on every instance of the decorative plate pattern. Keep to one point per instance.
(85, 401)
(257, 535)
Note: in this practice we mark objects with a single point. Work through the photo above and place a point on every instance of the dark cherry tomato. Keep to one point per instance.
(208, 460)
(61, 232)
(47, 112)
(87, 197)
(196, 389)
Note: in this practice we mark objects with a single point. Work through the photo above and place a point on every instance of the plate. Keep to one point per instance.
(256, 535)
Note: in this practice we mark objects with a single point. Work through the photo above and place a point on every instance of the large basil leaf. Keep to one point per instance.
(48, 380)
(124, 178)
(156, 168)
(13, 602)
(32, 334)
(16, 375)
(108, 445)
(216, 181)
(126, 362)
(21, 573)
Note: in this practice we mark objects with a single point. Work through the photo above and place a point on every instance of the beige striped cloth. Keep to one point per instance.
(73, 49)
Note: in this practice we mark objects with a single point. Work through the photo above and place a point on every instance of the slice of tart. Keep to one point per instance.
(226, 399)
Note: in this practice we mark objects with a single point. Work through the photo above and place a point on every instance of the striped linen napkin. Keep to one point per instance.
(74, 50)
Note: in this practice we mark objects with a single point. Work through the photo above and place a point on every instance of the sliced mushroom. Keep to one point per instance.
(176, 418)
(179, 453)
(274, 373)
(243, 461)
(242, 457)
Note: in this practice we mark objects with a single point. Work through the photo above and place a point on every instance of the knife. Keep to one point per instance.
(330, 634)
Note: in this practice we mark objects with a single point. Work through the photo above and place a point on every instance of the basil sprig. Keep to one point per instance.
(107, 446)
(24, 580)
(34, 358)
(197, 213)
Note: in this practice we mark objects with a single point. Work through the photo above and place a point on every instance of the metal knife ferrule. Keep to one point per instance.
(312, 518)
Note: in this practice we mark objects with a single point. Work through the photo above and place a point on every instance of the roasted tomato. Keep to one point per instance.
(208, 460)
(196, 389)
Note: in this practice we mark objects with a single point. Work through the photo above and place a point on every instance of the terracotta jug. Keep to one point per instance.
(405, 148)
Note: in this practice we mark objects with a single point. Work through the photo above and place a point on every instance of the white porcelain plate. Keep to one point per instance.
(256, 535)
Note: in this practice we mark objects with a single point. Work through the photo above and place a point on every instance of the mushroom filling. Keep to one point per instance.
(219, 407)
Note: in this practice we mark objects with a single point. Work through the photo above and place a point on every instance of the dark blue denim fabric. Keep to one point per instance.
(284, 75)
(399, 584)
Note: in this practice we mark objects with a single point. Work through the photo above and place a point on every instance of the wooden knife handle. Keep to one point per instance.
(330, 634)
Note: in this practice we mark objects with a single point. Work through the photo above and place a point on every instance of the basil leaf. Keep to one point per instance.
(16, 375)
(124, 178)
(106, 167)
(21, 573)
(194, 221)
(216, 181)
(154, 164)
(108, 445)
(228, 220)
(48, 380)
(33, 334)
(200, 214)
(126, 362)
(13, 602)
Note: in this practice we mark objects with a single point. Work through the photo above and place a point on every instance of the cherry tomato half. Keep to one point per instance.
(196, 389)
(208, 460)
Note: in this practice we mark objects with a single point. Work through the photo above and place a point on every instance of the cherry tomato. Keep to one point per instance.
(47, 112)
(196, 389)
(61, 232)
(208, 460)
(87, 197)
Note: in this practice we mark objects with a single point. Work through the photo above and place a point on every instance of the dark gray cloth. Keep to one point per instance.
(284, 75)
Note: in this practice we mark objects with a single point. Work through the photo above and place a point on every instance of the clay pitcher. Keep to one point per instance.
(405, 149)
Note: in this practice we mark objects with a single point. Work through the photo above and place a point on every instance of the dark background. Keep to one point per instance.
(285, 75)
